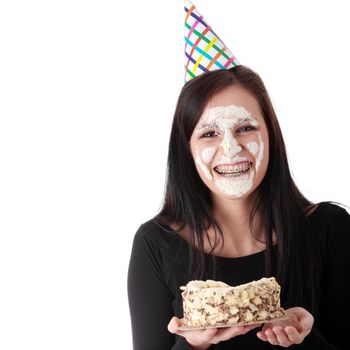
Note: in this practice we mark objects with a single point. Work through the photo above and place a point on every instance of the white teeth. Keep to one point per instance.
(233, 169)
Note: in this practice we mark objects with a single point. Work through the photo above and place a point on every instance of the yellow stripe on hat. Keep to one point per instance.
(205, 50)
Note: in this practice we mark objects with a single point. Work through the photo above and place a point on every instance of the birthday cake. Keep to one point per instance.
(216, 304)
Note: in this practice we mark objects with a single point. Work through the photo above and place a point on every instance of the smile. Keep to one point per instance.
(234, 170)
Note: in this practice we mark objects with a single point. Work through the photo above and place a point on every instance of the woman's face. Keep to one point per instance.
(230, 144)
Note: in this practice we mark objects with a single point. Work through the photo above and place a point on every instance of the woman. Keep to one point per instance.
(233, 213)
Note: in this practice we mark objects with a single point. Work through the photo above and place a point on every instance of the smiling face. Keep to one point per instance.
(230, 144)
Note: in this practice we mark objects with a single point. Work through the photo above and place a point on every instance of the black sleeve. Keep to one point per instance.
(150, 300)
(335, 300)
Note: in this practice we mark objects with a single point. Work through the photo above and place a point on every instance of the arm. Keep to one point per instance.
(150, 300)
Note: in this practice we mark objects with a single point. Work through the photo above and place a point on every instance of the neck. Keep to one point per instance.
(232, 212)
(233, 216)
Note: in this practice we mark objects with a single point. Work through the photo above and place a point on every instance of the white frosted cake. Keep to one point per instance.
(213, 303)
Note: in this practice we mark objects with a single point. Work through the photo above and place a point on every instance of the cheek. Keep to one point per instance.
(208, 154)
(201, 167)
(253, 148)
(262, 150)
(256, 148)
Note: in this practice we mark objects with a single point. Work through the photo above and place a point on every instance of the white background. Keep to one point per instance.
(88, 90)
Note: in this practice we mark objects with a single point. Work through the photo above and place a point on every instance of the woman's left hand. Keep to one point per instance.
(288, 332)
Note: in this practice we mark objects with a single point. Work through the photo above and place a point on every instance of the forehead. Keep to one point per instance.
(245, 104)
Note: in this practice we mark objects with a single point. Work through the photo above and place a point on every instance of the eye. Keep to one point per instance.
(246, 128)
(210, 134)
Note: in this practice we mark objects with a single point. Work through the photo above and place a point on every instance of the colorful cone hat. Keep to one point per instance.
(204, 51)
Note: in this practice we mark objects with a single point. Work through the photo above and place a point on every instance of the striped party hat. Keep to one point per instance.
(204, 51)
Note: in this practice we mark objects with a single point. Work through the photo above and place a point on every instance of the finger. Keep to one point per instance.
(262, 336)
(293, 335)
(230, 332)
(173, 327)
(205, 335)
(281, 336)
(306, 323)
(266, 326)
(271, 337)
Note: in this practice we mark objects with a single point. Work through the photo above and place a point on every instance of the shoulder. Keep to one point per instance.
(331, 223)
(148, 230)
(329, 213)
(159, 247)
(154, 234)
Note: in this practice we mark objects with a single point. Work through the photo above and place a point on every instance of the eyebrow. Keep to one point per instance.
(207, 125)
(214, 124)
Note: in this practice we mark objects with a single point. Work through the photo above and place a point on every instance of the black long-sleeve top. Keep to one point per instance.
(158, 265)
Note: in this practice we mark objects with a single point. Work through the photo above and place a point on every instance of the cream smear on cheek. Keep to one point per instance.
(202, 166)
(257, 150)
(208, 154)
(253, 148)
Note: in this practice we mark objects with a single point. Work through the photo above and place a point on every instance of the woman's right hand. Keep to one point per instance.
(201, 339)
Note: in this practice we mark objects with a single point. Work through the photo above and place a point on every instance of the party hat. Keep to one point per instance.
(204, 51)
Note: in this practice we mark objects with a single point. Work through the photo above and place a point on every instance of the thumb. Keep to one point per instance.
(173, 325)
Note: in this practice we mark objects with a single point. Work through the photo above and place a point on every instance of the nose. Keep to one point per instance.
(230, 145)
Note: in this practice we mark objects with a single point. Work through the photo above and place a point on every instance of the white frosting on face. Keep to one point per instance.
(224, 119)
(261, 152)
(231, 114)
(257, 150)
(208, 154)
(229, 143)
(236, 186)
(253, 148)
(203, 166)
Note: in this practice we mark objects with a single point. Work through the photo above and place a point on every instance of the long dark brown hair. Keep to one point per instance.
(279, 204)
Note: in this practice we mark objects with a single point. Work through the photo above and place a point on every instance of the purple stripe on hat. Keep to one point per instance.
(201, 20)
(194, 62)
